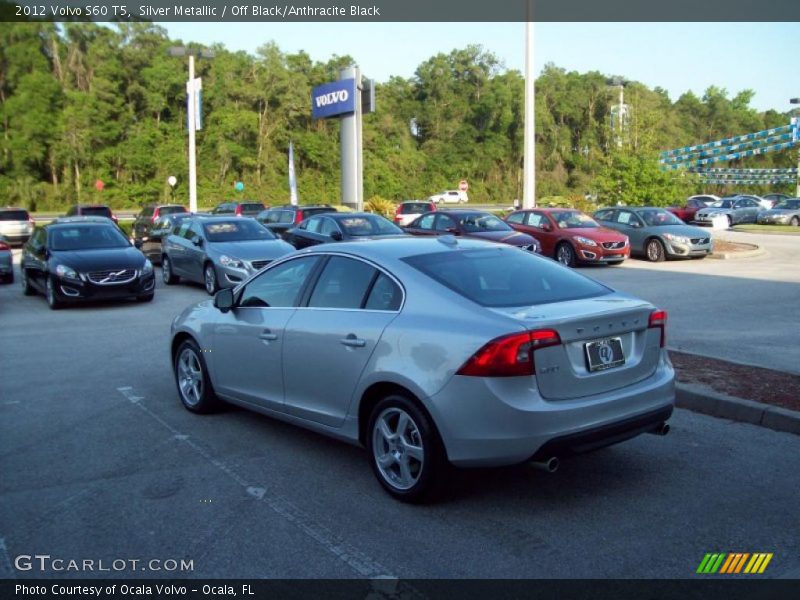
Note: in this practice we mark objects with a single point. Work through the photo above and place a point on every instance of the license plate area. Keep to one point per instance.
(604, 354)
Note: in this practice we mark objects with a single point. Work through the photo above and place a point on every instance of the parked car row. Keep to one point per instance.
(738, 209)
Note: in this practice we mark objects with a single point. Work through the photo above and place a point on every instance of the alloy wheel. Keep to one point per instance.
(210, 278)
(397, 448)
(190, 377)
(166, 270)
(565, 255)
(655, 251)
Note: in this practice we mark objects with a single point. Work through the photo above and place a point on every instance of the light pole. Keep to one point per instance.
(797, 141)
(529, 140)
(621, 112)
(191, 116)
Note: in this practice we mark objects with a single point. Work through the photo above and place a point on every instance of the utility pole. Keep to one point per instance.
(797, 142)
(529, 145)
(350, 139)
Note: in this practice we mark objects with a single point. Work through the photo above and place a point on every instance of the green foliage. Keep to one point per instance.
(82, 101)
(380, 206)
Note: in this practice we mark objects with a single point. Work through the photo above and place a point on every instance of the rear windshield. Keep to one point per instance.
(86, 237)
(365, 225)
(252, 207)
(171, 210)
(237, 231)
(96, 211)
(307, 212)
(793, 204)
(14, 215)
(415, 207)
(502, 277)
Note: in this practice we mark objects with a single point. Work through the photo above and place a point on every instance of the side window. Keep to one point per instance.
(343, 284)
(516, 217)
(626, 218)
(181, 230)
(444, 222)
(328, 227)
(39, 239)
(278, 287)
(286, 216)
(426, 222)
(536, 219)
(195, 231)
(385, 295)
(604, 215)
(313, 224)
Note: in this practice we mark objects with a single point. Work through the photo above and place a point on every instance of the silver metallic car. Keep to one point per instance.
(218, 252)
(785, 212)
(736, 209)
(431, 352)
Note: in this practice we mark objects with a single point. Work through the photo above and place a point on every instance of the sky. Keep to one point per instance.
(675, 56)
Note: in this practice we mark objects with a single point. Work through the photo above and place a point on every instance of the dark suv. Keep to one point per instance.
(149, 215)
(91, 210)
(248, 208)
(281, 219)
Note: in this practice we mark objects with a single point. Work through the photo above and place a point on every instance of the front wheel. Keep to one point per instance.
(405, 452)
(167, 275)
(27, 290)
(52, 297)
(191, 377)
(795, 222)
(655, 251)
(565, 254)
(730, 221)
(210, 279)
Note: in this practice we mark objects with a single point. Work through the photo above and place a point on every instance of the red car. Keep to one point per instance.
(570, 236)
(686, 212)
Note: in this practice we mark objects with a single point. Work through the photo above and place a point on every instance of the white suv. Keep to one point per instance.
(16, 224)
(450, 196)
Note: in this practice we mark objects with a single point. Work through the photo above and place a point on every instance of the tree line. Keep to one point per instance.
(82, 102)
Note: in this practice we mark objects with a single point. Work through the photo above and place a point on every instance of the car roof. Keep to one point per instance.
(13, 208)
(398, 247)
(79, 220)
(90, 206)
(549, 209)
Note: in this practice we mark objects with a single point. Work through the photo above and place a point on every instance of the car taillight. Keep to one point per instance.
(4, 246)
(239, 211)
(509, 355)
(298, 217)
(658, 320)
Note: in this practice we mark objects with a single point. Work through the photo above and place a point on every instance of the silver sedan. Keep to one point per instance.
(431, 352)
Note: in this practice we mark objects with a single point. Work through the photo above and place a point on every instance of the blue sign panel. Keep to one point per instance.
(334, 98)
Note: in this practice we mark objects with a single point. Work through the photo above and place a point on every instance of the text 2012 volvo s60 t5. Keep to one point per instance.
(429, 352)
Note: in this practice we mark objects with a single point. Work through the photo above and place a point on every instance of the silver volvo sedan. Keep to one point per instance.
(431, 352)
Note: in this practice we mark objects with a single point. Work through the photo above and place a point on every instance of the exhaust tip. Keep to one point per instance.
(662, 429)
(549, 465)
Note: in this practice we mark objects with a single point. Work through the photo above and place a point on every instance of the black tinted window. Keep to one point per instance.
(14, 215)
(343, 284)
(236, 230)
(516, 217)
(96, 211)
(506, 277)
(147, 211)
(86, 237)
(280, 286)
(414, 207)
(171, 210)
(363, 225)
(385, 295)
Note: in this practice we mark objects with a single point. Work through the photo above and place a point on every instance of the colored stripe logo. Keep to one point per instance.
(734, 563)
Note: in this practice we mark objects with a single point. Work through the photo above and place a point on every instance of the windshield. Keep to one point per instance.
(171, 210)
(96, 211)
(499, 277)
(657, 217)
(14, 215)
(237, 231)
(574, 219)
(364, 225)
(415, 208)
(793, 204)
(252, 207)
(722, 204)
(86, 237)
(477, 222)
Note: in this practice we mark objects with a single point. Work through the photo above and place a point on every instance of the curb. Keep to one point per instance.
(757, 251)
(701, 399)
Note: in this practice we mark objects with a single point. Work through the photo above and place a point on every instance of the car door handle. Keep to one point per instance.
(352, 341)
(268, 336)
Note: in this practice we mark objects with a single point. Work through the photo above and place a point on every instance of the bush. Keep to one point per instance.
(380, 206)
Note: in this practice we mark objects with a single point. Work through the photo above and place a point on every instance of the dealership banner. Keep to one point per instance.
(333, 99)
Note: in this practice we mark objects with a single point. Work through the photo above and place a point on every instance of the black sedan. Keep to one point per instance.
(336, 227)
(474, 224)
(84, 258)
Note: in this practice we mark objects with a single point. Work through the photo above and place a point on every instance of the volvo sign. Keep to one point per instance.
(334, 98)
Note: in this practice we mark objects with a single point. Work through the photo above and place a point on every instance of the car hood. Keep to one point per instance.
(251, 249)
(598, 234)
(684, 230)
(100, 259)
(515, 238)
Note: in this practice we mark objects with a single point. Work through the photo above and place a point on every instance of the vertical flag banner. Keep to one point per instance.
(292, 177)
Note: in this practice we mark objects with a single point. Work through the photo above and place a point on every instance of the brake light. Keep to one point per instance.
(4, 246)
(298, 217)
(509, 355)
(239, 211)
(658, 320)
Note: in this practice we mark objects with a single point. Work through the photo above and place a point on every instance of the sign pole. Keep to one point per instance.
(350, 147)
(529, 149)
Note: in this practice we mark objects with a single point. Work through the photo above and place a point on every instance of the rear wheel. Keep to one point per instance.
(730, 221)
(405, 452)
(191, 377)
(210, 279)
(655, 250)
(565, 254)
(166, 271)
(795, 222)
(52, 297)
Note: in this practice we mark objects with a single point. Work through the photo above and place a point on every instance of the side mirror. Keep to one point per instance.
(336, 236)
(453, 230)
(197, 241)
(137, 244)
(223, 299)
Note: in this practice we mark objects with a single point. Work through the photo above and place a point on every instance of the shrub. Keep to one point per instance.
(380, 206)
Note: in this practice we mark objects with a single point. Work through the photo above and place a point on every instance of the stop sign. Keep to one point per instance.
(463, 186)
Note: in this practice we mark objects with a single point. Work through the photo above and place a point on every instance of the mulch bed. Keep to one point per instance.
(743, 381)
(721, 245)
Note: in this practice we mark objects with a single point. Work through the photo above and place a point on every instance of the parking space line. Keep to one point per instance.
(6, 572)
(360, 562)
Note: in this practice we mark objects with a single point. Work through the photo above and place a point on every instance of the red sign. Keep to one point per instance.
(99, 185)
(463, 186)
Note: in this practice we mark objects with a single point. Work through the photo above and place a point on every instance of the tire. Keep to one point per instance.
(655, 251)
(795, 222)
(210, 279)
(146, 297)
(27, 290)
(565, 254)
(414, 476)
(167, 276)
(191, 378)
(8, 278)
(730, 221)
(51, 295)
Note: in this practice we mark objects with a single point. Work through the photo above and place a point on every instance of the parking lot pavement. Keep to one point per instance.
(742, 310)
(100, 461)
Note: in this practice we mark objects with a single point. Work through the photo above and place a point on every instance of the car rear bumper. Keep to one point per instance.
(488, 422)
(75, 291)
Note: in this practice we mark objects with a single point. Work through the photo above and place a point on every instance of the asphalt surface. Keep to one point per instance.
(99, 461)
(742, 310)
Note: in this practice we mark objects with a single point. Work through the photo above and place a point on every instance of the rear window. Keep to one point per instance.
(14, 215)
(415, 208)
(252, 207)
(171, 210)
(96, 211)
(502, 277)
(307, 212)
